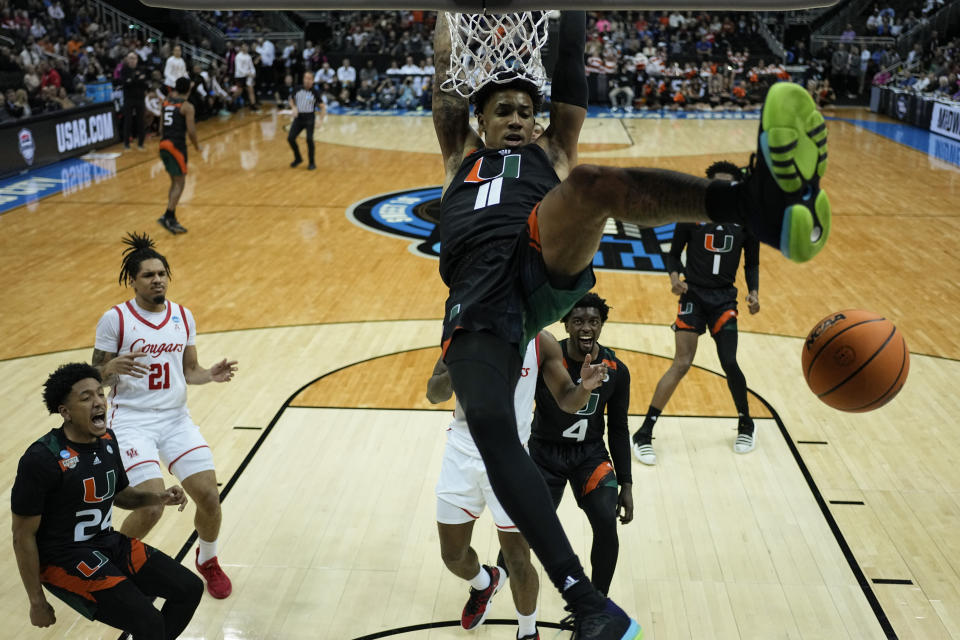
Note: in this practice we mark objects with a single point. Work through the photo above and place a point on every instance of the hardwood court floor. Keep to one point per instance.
(328, 453)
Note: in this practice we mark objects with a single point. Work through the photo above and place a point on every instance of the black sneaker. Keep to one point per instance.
(786, 208)
(311, 166)
(478, 605)
(610, 623)
(296, 163)
(171, 225)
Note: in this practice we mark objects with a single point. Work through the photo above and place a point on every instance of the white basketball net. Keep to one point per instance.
(486, 47)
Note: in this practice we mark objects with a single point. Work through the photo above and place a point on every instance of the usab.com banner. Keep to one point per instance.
(946, 120)
(34, 142)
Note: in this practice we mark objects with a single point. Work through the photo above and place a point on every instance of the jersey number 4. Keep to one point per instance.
(577, 431)
(159, 376)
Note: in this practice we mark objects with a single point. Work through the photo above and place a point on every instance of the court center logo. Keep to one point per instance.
(413, 214)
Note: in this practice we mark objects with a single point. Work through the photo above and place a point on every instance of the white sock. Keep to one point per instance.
(480, 581)
(527, 625)
(207, 550)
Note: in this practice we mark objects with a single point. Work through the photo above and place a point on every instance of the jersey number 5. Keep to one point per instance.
(167, 117)
(159, 376)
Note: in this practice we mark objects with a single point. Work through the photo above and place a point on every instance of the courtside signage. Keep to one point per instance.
(946, 120)
(413, 215)
(83, 132)
(35, 142)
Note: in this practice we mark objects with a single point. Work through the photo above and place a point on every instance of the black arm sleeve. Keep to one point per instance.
(681, 235)
(618, 432)
(751, 262)
(570, 74)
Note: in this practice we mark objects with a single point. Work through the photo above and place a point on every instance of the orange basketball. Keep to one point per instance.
(855, 360)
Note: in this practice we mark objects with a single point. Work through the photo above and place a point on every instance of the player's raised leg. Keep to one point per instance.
(780, 200)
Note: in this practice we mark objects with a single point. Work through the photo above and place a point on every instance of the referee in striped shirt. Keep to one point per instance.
(305, 102)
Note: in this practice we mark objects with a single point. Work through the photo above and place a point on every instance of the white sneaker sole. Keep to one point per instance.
(645, 454)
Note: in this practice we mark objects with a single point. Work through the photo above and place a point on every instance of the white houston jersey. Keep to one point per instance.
(163, 336)
(459, 434)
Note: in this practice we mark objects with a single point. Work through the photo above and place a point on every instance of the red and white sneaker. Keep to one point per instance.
(477, 607)
(218, 584)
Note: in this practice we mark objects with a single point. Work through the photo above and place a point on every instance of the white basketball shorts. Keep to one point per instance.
(463, 490)
(169, 438)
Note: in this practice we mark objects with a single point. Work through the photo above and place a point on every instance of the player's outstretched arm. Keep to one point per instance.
(111, 366)
(133, 498)
(451, 112)
(439, 387)
(568, 98)
(28, 561)
(570, 397)
(193, 373)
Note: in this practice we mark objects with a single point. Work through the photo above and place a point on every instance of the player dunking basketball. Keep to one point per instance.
(146, 350)
(176, 123)
(520, 224)
(708, 299)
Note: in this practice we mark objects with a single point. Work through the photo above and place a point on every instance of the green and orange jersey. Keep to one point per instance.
(71, 486)
(553, 424)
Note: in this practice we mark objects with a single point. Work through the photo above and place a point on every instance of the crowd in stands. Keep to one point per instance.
(931, 68)
(234, 23)
(635, 59)
(383, 60)
(48, 53)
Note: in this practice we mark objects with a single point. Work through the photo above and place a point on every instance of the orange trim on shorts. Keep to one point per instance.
(724, 318)
(138, 555)
(446, 343)
(167, 145)
(602, 470)
(683, 325)
(533, 228)
(83, 587)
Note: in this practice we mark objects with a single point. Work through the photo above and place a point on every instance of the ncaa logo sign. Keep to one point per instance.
(414, 214)
(26, 145)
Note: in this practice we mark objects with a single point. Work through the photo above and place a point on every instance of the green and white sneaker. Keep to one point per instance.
(787, 209)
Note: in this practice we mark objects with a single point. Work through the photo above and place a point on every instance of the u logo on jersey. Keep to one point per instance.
(591, 407)
(87, 570)
(90, 488)
(509, 169)
(710, 243)
(488, 193)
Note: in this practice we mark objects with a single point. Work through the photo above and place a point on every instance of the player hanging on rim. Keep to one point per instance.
(708, 299)
(146, 350)
(520, 224)
(464, 489)
(62, 500)
(567, 442)
(176, 123)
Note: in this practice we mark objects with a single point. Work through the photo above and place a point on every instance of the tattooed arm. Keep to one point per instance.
(110, 365)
